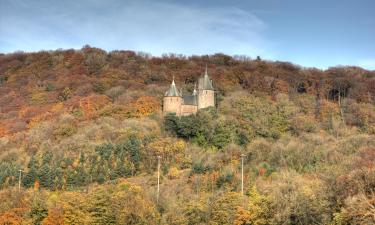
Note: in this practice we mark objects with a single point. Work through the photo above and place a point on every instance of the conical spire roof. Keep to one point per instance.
(173, 91)
(204, 82)
(195, 89)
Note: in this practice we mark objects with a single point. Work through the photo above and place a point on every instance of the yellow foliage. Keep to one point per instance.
(259, 210)
(38, 97)
(329, 109)
(242, 216)
(166, 146)
(173, 173)
(224, 209)
(147, 105)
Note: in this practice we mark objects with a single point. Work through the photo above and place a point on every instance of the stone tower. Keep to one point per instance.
(172, 101)
(206, 93)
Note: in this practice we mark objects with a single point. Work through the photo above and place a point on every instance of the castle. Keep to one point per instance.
(182, 105)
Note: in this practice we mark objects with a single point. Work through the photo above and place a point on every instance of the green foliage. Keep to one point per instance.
(259, 116)
(222, 135)
(225, 178)
(65, 94)
(8, 173)
(32, 174)
(196, 213)
(260, 208)
(38, 209)
(202, 128)
(98, 87)
(171, 123)
(100, 212)
(49, 87)
(199, 167)
(312, 160)
(223, 209)
(3, 79)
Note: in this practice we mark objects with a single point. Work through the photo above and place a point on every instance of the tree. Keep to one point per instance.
(54, 217)
(196, 213)
(76, 207)
(222, 135)
(65, 94)
(171, 122)
(45, 174)
(224, 209)
(358, 209)
(38, 208)
(259, 210)
(32, 174)
(130, 206)
(100, 207)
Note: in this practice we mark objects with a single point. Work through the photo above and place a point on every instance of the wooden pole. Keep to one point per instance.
(158, 189)
(19, 180)
(242, 158)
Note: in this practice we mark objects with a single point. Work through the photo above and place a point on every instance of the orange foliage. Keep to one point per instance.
(92, 104)
(147, 105)
(12, 217)
(281, 86)
(46, 113)
(55, 217)
(36, 185)
(3, 130)
(328, 109)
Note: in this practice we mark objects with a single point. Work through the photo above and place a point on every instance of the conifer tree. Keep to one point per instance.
(32, 174)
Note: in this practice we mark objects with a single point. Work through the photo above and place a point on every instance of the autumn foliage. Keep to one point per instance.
(82, 129)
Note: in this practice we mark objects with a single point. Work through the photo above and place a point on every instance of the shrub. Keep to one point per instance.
(98, 87)
(65, 94)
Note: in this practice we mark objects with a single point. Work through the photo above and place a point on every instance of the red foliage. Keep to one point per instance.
(30, 83)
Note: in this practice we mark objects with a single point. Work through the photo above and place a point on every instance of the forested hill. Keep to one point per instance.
(32, 85)
(85, 127)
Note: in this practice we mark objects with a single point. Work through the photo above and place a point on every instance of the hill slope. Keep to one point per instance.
(85, 126)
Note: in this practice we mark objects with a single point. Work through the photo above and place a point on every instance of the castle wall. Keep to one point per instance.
(172, 105)
(188, 109)
(206, 98)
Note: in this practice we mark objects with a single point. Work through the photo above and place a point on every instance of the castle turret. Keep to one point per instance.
(206, 93)
(172, 100)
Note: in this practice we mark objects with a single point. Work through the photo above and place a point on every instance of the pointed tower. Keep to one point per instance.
(172, 100)
(195, 90)
(206, 93)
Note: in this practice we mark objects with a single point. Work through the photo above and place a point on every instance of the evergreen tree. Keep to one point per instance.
(45, 174)
(32, 174)
(105, 150)
(99, 208)
(38, 209)
(222, 135)
(132, 148)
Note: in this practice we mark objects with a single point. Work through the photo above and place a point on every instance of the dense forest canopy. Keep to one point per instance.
(85, 127)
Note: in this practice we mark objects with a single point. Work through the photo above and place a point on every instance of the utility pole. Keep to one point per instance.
(158, 190)
(19, 180)
(242, 158)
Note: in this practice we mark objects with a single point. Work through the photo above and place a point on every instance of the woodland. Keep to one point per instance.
(84, 129)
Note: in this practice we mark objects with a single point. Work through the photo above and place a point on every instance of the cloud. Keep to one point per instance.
(151, 26)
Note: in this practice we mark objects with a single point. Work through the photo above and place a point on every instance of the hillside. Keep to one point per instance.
(85, 127)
